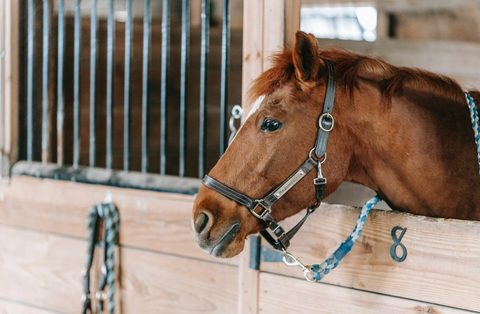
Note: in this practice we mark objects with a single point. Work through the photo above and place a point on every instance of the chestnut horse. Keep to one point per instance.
(405, 133)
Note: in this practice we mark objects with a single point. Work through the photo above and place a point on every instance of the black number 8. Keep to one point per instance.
(396, 242)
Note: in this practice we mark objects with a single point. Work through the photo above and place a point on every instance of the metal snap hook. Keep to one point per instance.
(296, 262)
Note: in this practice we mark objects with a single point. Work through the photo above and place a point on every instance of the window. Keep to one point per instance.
(341, 22)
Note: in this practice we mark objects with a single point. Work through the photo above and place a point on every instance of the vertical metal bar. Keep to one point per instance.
(110, 60)
(76, 84)
(31, 45)
(224, 79)
(46, 48)
(60, 110)
(147, 20)
(184, 82)
(163, 86)
(127, 90)
(203, 86)
(93, 80)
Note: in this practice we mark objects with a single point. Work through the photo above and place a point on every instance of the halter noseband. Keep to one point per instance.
(277, 237)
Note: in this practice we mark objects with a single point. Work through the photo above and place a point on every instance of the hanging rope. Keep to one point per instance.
(475, 125)
(109, 214)
(319, 271)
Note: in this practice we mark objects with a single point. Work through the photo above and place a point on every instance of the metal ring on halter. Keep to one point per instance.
(322, 117)
(324, 156)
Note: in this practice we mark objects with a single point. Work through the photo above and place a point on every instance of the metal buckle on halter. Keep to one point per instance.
(322, 118)
(267, 210)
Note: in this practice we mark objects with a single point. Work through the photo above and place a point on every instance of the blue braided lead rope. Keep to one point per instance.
(109, 212)
(112, 228)
(318, 271)
(475, 124)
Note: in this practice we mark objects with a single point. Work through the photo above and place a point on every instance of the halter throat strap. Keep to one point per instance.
(277, 236)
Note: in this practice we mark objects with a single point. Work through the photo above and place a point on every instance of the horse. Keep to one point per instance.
(404, 133)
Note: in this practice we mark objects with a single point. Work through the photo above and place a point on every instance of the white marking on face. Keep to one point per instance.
(255, 107)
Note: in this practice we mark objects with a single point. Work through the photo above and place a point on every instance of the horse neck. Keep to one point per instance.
(419, 155)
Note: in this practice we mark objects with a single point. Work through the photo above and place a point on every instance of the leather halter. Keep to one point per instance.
(277, 237)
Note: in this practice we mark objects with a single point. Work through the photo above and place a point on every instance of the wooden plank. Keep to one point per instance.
(8, 307)
(442, 255)
(273, 29)
(252, 65)
(41, 269)
(297, 296)
(158, 283)
(10, 87)
(149, 220)
(292, 21)
(247, 284)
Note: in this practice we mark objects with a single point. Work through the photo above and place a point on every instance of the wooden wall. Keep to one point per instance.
(43, 247)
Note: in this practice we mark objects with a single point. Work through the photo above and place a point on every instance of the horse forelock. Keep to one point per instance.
(350, 68)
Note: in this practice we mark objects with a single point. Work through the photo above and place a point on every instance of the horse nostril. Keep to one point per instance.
(201, 222)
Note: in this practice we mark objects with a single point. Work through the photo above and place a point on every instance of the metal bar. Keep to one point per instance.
(60, 105)
(163, 86)
(110, 60)
(113, 178)
(147, 21)
(203, 86)
(127, 90)
(184, 83)
(93, 80)
(46, 48)
(224, 78)
(31, 45)
(76, 84)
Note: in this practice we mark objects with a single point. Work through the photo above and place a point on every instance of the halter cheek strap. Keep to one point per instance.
(262, 208)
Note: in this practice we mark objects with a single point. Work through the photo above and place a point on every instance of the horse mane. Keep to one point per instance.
(351, 67)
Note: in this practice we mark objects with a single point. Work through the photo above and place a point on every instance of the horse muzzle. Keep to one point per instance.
(216, 243)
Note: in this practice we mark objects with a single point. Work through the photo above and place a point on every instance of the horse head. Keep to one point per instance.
(273, 142)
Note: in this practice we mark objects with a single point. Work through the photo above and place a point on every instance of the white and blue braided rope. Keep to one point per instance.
(475, 124)
(318, 271)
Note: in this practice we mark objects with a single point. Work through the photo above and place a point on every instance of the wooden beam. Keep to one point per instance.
(292, 21)
(247, 284)
(273, 29)
(253, 31)
(299, 296)
(441, 266)
(10, 88)
(149, 220)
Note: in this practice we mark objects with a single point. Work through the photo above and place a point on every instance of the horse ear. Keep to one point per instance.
(305, 56)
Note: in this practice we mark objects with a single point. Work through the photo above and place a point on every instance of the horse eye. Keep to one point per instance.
(270, 125)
